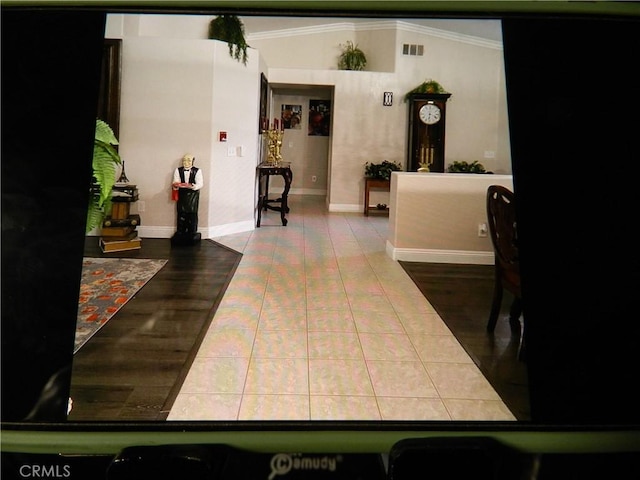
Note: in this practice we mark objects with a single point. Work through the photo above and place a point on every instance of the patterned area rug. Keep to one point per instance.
(107, 285)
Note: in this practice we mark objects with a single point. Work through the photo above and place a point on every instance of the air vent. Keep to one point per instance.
(412, 49)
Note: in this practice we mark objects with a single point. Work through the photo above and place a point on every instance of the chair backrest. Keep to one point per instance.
(501, 215)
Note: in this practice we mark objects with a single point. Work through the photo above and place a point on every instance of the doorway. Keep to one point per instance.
(308, 150)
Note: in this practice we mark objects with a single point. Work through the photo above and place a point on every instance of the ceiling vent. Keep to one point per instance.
(412, 49)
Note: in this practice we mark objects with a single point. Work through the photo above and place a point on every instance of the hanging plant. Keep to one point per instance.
(230, 29)
(105, 159)
(428, 86)
(351, 58)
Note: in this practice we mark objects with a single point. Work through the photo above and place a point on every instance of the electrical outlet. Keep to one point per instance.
(314, 179)
(231, 151)
(482, 229)
(141, 205)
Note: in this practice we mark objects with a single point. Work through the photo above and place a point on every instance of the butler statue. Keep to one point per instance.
(187, 182)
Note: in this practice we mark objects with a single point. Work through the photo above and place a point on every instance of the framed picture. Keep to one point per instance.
(291, 116)
(319, 117)
(263, 121)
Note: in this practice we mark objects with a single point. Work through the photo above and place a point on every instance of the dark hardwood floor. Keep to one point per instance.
(133, 367)
(462, 294)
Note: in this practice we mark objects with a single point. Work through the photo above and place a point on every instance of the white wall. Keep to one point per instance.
(175, 101)
(179, 90)
(434, 217)
(365, 131)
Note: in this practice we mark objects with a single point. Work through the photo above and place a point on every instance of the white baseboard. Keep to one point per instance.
(440, 256)
(344, 208)
(229, 229)
(151, 231)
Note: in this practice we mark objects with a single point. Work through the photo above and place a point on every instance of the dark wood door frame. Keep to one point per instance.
(109, 96)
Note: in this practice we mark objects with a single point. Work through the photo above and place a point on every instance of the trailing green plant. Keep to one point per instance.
(351, 58)
(466, 167)
(105, 161)
(428, 86)
(381, 170)
(230, 29)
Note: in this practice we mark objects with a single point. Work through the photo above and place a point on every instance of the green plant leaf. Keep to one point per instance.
(351, 58)
(381, 170)
(230, 29)
(105, 161)
(428, 86)
(104, 133)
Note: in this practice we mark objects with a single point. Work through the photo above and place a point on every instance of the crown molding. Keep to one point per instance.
(373, 26)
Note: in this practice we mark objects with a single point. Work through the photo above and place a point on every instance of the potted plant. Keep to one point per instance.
(105, 160)
(466, 167)
(381, 170)
(351, 58)
(230, 29)
(428, 86)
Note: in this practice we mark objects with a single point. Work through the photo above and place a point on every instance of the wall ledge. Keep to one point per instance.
(465, 257)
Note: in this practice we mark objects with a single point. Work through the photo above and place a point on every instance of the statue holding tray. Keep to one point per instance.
(187, 182)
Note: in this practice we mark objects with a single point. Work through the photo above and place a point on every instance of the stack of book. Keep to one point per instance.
(119, 229)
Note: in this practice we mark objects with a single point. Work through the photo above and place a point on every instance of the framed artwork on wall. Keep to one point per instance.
(263, 121)
(291, 116)
(319, 117)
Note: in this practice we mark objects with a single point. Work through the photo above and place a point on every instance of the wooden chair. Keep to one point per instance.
(501, 215)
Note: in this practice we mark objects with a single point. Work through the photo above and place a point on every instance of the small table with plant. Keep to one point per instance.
(378, 176)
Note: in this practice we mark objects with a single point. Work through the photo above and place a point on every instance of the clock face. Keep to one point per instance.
(429, 114)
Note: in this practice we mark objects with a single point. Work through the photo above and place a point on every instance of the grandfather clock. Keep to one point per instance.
(427, 131)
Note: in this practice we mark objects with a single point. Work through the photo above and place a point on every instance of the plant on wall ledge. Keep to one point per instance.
(428, 86)
(230, 29)
(466, 167)
(381, 170)
(105, 159)
(351, 58)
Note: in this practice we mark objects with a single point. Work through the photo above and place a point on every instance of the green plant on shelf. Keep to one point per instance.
(466, 167)
(428, 86)
(230, 29)
(381, 170)
(351, 58)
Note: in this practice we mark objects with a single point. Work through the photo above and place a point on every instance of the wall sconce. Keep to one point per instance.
(387, 99)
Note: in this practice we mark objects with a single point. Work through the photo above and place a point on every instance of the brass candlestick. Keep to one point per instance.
(274, 145)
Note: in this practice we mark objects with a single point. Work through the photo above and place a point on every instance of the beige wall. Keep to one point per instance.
(179, 90)
(169, 107)
(434, 217)
(365, 131)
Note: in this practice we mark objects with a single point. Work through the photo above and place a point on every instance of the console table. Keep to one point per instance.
(374, 183)
(264, 172)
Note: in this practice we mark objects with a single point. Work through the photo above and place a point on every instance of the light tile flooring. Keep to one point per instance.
(319, 323)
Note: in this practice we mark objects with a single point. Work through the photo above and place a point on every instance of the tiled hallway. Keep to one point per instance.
(319, 323)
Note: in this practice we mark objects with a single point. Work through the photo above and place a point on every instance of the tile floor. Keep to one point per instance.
(319, 323)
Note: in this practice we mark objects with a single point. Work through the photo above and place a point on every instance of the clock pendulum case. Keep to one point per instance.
(427, 131)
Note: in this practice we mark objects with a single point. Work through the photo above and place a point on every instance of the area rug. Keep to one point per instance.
(107, 284)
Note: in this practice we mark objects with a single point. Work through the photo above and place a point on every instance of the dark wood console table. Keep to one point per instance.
(264, 172)
(371, 183)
